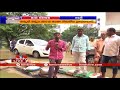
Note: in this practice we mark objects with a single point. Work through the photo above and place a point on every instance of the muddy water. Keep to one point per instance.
(67, 59)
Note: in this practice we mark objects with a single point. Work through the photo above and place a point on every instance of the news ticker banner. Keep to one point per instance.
(62, 64)
(49, 20)
(57, 22)
(3, 19)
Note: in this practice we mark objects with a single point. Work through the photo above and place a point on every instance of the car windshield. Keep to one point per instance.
(40, 42)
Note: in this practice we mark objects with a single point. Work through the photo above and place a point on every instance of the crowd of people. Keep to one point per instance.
(107, 47)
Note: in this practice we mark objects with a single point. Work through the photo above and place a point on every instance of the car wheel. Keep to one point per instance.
(90, 59)
(16, 51)
(36, 54)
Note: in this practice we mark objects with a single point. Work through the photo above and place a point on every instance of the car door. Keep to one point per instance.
(20, 46)
(29, 47)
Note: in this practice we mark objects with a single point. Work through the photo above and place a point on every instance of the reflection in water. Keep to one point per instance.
(6, 54)
(67, 59)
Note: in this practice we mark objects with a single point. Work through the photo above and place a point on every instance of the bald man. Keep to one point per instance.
(98, 50)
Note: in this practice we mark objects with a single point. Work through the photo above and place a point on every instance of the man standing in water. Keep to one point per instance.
(98, 49)
(111, 51)
(57, 47)
(80, 44)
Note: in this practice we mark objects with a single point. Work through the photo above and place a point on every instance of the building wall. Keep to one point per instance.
(112, 18)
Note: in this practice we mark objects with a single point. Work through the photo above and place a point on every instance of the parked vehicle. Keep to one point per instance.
(90, 56)
(35, 47)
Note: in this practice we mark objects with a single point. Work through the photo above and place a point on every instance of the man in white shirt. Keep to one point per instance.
(110, 51)
(80, 45)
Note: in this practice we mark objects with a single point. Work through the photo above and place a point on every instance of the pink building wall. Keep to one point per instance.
(112, 18)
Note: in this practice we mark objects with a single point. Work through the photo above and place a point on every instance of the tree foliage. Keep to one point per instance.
(19, 31)
(69, 33)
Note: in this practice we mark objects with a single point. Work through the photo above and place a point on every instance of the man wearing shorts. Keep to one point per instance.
(110, 51)
(98, 49)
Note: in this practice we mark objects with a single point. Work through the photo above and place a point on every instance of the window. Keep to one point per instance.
(29, 43)
(21, 41)
(40, 42)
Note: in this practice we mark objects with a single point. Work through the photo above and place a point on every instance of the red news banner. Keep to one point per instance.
(62, 64)
(21, 60)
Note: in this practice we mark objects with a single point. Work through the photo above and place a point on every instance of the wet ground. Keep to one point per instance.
(67, 59)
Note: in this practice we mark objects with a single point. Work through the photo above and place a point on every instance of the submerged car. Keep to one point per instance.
(34, 47)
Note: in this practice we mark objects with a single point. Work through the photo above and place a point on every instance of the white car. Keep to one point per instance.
(35, 47)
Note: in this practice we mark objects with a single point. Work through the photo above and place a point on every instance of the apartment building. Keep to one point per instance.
(112, 20)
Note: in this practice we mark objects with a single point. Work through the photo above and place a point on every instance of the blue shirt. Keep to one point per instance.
(80, 44)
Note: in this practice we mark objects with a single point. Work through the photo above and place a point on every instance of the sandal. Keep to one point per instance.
(100, 77)
(54, 76)
(39, 74)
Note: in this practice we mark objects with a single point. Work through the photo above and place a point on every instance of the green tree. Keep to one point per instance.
(21, 13)
(41, 31)
(19, 31)
(69, 33)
